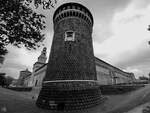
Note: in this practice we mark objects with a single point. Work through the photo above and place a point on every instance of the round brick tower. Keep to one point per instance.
(69, 83)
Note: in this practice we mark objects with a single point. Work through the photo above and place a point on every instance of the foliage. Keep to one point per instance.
(2, 80)
(47, 4)
(9, 80)
(2, 59)
(19, 25)
(118, 89)
(20, 88)
(143, 78)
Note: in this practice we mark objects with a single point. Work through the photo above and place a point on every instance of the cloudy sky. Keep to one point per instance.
(120, 36)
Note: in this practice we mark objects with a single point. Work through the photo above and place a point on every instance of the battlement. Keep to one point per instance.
(74, 10)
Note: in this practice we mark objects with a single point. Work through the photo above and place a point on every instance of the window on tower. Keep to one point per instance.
(69, 36)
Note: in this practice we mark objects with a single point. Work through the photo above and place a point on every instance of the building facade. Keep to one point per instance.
(39, 75)
(105, 72)
(108, 74)
(23, 75)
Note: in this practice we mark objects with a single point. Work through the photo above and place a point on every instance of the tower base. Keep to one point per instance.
(68, 95)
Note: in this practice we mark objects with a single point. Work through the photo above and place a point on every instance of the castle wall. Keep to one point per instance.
(76, 57)
(39, 75)
(105, 74)
(108, 74)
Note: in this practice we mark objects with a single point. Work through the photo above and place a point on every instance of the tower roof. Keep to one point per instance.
(70, 4)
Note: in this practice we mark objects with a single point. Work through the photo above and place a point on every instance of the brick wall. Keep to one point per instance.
(71, 60)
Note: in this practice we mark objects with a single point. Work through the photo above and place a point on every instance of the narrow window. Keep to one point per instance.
(73, 13)
(65, 14)
(69, 36)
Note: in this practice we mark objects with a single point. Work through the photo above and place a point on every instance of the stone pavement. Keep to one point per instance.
(21, 102)
(144, 108)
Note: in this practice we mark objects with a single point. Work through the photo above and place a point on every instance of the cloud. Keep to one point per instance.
(136, 61)
(128, 47)
(135, 58)
(18, 59)
(103, 12)
(140, 4)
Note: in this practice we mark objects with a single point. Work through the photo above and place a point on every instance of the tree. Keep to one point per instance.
(1, 59)
(143, 78)
(2, 80)
(9, 80)
(20, 25)
(47, 4)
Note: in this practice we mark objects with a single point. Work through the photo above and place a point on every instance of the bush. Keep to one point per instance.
(20, 88)
(118, 89)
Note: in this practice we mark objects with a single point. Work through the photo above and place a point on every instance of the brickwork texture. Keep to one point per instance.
(72, 62)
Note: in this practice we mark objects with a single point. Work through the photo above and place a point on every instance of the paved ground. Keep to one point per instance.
(141, 108)
(16, 102)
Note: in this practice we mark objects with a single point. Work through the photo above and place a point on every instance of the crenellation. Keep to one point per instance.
(70, 11)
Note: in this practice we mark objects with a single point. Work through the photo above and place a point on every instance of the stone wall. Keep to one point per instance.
(105, 74)
(39, 75)
(72, 60)
(108, 74)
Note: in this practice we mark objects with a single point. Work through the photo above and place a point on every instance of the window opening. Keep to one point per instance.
(69, 36)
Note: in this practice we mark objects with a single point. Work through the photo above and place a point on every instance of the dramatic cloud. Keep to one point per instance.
(128, 47)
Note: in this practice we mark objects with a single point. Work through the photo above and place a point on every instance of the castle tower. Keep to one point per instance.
(41, 59)
(72, 45)
(69, 83)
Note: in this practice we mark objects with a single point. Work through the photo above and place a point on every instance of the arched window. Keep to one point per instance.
(69, 36)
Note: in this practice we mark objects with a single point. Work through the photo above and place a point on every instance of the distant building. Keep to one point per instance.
(107, 74)
(23, 75)
(27, 81)
(38, 76)
(38, 68)
(41, 60)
